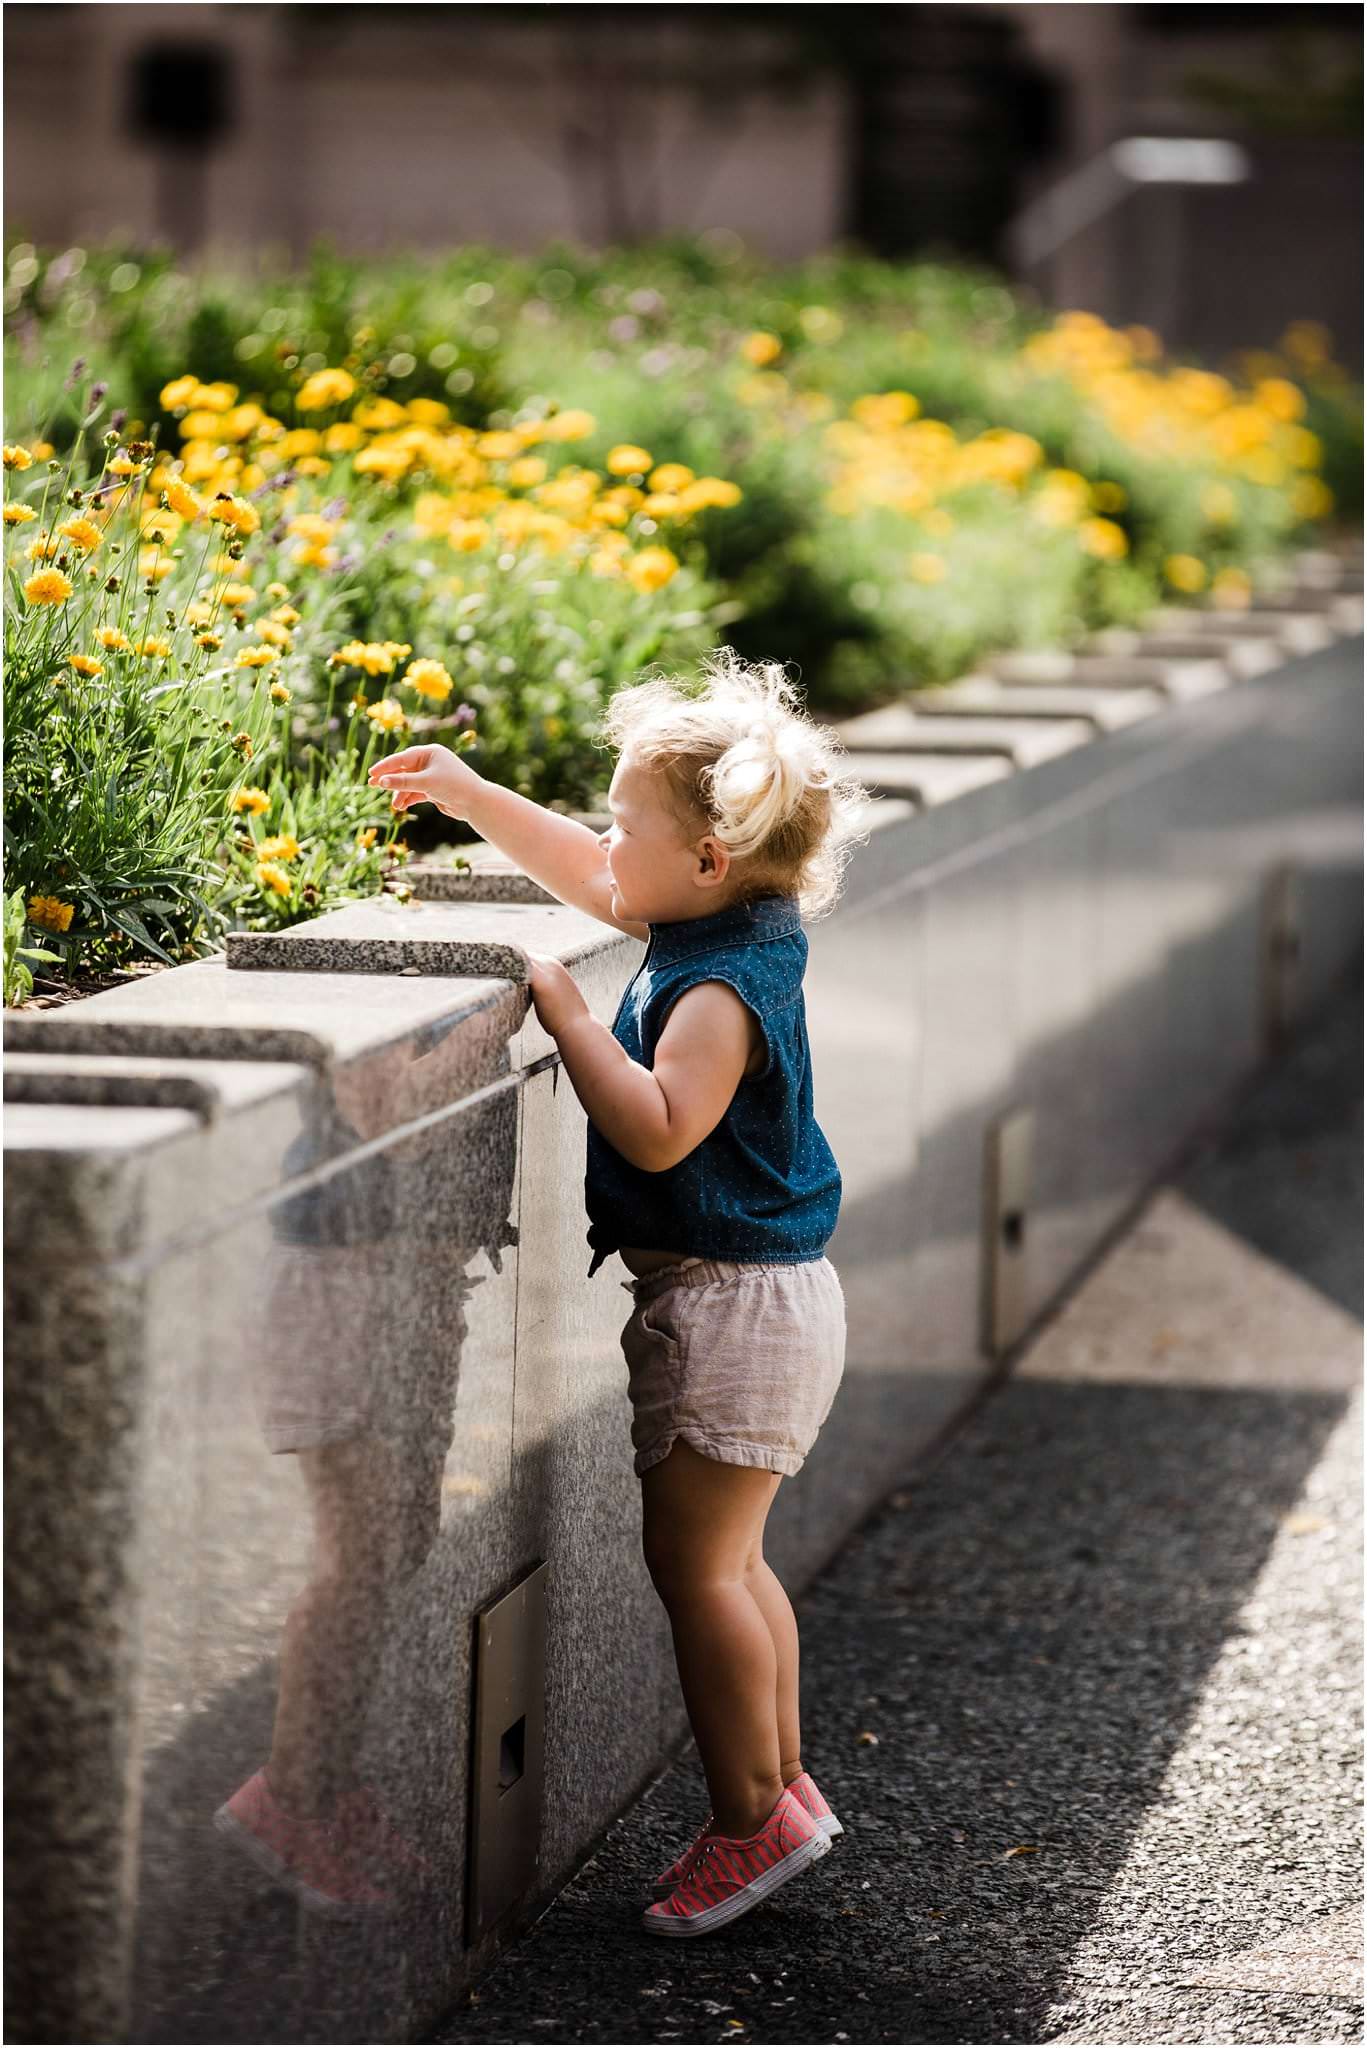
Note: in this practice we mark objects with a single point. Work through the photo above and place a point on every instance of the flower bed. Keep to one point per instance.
(301, 520)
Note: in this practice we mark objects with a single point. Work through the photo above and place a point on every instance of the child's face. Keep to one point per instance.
(658, 876)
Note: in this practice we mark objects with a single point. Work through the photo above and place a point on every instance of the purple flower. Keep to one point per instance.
(334, 508)
(117, 418)
(97, 392)
(465, 714)
(74, 374)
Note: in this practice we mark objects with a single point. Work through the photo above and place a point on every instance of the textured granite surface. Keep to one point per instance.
(1084, 1691)
(988, 697)
(1243, 657)
(1118, 670)
(927, 778)
(1294, 632)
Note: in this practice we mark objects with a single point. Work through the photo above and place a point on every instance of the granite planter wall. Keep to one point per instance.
(326, 1192)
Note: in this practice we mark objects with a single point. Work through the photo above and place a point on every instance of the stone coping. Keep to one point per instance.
(380, 975)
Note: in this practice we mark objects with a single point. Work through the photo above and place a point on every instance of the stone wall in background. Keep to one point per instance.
(304, 1375)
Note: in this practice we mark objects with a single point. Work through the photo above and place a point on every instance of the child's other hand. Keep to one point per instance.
(428, 774)
(554, 994)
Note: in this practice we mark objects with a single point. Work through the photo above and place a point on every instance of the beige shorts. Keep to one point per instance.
(740, 1360)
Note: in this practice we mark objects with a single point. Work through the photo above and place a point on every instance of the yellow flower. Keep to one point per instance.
(1185, 572)
(1284, 400)
(526, 471)
(707, 491)
(312, 527)
(285, 614)
(279, 591)
(217, 397)
(388, 715)
(181, 498)
(626, 459)
(122, 465)
(50, 912)
(271, 876)
(499, 447)
(43, 451)
(179, 392)
(1103, 538)
(116, 642)
(250, 799)
(18, 515)
(603, 563)
(235, 595)
(428, 412)
(324, 387)
(17, 457)
(283, 847)
(652, 568)
(386, 461)
(670, 476)
(274, 635)
(235, 512)
(467, 535)
(1311, 498)
(341, 437)
(761, 347)
(84, 533)
(1110, 497)
(213, 641)
(883, 410)
(43, 548)
(159, 649)
(280, 694)
(571, 425)
(366, 839)
(928, 568)
(379, 414)
(256, 657)
(429, 679)
(49, 586)
(153, 567)
(86, 665)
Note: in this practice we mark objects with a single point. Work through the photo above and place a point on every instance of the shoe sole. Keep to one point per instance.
(266, 1859)
(662, 1888)
(754, 1894)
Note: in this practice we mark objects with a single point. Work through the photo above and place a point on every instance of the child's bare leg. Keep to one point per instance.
(701, 1522)
(774, 1605)
(330, 1650)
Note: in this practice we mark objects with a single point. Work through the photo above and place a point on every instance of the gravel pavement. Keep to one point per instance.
(1085, 1691)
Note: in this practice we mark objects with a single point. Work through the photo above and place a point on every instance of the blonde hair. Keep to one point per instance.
(740, 758)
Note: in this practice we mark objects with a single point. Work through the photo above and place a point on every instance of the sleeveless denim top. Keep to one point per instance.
(764, 1184)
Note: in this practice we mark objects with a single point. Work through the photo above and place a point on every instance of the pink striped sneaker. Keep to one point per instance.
(678, 1870)
(315, 1859)
(728, 1876)
(803, 1787)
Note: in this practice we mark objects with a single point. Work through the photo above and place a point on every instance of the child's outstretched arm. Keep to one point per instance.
(563, 856)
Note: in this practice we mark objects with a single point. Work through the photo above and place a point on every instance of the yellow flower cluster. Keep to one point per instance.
(492, 492)
(50, 911)
(1185, 414)
(885, 454)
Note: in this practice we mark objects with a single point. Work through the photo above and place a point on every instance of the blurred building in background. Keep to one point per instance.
(915, 130)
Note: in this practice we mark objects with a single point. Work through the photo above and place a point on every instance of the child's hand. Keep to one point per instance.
(427, 775)
(557, 999)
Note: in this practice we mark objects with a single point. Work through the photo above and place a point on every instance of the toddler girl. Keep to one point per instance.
(709, 1176)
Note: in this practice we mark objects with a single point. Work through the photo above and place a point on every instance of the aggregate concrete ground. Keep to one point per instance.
(1085, 1691)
